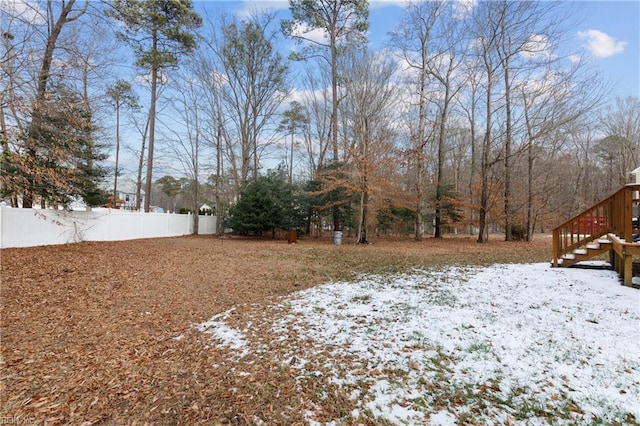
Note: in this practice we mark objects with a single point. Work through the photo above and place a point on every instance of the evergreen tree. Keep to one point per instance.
(121, 95)
(34, 173)
(159, 32)
(267, 203)
(63, 161)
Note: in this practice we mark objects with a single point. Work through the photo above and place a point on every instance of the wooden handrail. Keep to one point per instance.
(612, 215)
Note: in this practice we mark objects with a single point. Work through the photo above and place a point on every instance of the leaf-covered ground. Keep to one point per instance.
(103, 333)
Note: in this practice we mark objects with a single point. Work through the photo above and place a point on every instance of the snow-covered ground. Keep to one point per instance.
(501, 344)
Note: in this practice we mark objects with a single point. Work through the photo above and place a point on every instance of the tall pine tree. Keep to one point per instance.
(159, 31)
(343, 21)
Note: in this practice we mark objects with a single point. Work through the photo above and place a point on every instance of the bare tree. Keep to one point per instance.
(185, 124)
(414, 41)
(214, 125)
(552, 100)
(621, 146)
(443, 66)
(317, 102)
(525, 31)
(217, 136)
(485, 29)
(144, 132)
(255, 84)
(370, 101)
(468, 102)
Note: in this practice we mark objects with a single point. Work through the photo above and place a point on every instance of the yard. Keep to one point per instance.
(211, 331)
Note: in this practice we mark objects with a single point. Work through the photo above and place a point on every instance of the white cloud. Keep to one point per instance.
(28, 11)
(384, 3)
(600, 44)
(463, 8)
(316, 35)
(536, 46)
(575, 59)
(265, 6)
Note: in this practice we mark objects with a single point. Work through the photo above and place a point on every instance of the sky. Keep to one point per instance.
(608, 32)
(513, 336)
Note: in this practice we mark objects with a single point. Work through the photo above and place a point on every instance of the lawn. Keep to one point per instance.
(203, 330)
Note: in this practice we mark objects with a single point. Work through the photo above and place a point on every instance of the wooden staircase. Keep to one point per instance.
(590, 250)
(604, 227)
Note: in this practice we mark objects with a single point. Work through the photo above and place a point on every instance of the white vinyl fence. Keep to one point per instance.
(35, 227)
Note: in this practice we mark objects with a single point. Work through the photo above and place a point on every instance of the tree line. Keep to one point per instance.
(470, 119)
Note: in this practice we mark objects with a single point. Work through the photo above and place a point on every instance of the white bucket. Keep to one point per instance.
(337, 238)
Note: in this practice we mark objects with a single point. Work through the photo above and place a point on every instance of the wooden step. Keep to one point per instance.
(585, 253)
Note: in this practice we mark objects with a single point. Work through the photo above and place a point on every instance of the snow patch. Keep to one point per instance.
(228, 337)
(523, 332)
(506, 337)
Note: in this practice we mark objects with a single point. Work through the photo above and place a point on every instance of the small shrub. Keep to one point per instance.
(519, 232)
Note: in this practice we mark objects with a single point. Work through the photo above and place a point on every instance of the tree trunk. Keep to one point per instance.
(472, 211)
(483, 232)
(291, 160)
(152, 126)
(196, 209)
(419, 146)
(334, 119)
(507, 157)
(115, 172)
(364, 197)
(362, 228)
(419, 225)
(140, 166)
(196, 181)
(219, 212)
(530, 161)
(440, 172)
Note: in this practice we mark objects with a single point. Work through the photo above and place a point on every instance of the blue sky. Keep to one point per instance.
(619, 20)
(608, 32)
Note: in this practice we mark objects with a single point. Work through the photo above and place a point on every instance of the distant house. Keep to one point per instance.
(126, 195)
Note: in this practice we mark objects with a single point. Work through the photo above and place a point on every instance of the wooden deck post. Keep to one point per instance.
(627, 219)
(627, 267)
(556, 245)
(627, 274)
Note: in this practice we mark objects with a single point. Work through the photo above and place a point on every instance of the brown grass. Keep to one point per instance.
(88, 329)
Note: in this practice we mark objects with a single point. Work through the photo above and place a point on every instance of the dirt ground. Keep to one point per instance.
(102, 333)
